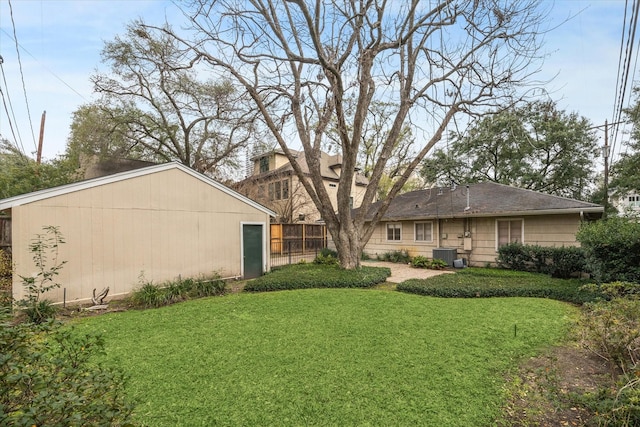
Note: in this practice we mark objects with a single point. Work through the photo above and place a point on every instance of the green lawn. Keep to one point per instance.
(325, 357)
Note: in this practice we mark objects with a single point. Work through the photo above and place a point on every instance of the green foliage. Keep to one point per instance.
(6, 297)
(150, 295)
(486, 283)
(48, 378)
(317, 276)
(44, 249)
(420, 261)
(534, 146)
(327, 257)
(400, 256)
(561, 262)
(326, 260)
(20, 174)
(611, 329)
(612, 249)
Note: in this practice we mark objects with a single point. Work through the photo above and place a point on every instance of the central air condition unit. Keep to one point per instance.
(446, 254)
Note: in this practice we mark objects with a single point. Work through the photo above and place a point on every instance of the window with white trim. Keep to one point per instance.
(423, 231)
(394, 232)
(634, 201)
(509, 231)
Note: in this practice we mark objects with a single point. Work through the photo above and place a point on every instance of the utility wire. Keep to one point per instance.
(45, 67)
(24, 87)
(19, 138)
(624, 78)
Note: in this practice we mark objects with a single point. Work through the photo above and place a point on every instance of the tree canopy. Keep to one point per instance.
(155, 106)
(625, 178)
(533, 146)
(301, 62)
(20, 174)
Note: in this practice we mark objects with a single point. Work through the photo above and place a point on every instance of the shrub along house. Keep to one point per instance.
(471, 222)
(158, 222)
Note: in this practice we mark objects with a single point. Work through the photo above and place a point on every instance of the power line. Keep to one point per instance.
(24, 87)
(45, 67)
(623, 75)
(19, 138)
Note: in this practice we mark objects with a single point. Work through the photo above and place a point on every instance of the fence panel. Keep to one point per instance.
(291, 243)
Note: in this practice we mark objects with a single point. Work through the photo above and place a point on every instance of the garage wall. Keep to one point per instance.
(156, 226)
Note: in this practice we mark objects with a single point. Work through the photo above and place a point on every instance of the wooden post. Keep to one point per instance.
(40, 140)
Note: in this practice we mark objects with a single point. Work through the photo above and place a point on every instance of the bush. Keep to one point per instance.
(317, 276)
(6, 287)
(44, 248)
(611, 329)
(486, 283)
(561, 262)
(420, 261)
(401, 256)
(612, 249)
(326, 260)
(48, 377)
(150, 295)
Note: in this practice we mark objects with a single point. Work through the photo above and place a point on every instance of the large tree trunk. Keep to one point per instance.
(347, 244)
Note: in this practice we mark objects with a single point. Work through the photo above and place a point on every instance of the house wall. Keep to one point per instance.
(548, 230)
(157, 226)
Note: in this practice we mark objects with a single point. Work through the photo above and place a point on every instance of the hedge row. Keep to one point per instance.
(303, 276)
(612, 249)
(562, 262)
(487, 283)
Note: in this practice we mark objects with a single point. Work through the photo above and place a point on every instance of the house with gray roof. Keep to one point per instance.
(471, 222)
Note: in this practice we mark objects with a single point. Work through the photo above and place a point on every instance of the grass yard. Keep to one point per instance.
(334, 357)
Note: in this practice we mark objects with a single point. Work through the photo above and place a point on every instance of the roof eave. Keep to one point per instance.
(591, 209)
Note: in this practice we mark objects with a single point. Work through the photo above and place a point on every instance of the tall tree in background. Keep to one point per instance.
(153, 89)
(20, 174)
(301, 61)
(625, 173)
(535, 146)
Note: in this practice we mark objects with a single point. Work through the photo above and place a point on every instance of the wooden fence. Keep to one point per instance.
(291, 243)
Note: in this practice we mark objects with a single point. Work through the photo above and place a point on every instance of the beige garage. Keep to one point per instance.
(155, 223)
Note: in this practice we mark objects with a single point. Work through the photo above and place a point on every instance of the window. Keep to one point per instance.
(394, 232)
(264, 164)
(332, 185)
(351, 202)
(423, 231)
(279, 190)
(634, 201)
(272, 191)
(509, 231)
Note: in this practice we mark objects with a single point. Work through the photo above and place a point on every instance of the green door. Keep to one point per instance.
(252, 250)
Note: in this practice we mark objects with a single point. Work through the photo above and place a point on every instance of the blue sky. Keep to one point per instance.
(61, 41)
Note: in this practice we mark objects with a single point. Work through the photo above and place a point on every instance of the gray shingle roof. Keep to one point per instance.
(485, 199)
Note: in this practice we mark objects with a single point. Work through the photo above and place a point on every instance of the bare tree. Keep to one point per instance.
(300, 61)
(170, 114)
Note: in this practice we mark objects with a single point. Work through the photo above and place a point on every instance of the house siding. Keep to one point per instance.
(156, 226)
(544, 230)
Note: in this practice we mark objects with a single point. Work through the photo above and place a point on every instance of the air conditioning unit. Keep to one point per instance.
(446, 254)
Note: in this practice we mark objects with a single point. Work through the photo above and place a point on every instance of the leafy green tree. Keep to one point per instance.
(101, 131)
(534, 146)
(625, 178)
(20, 174)
(155, 106)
